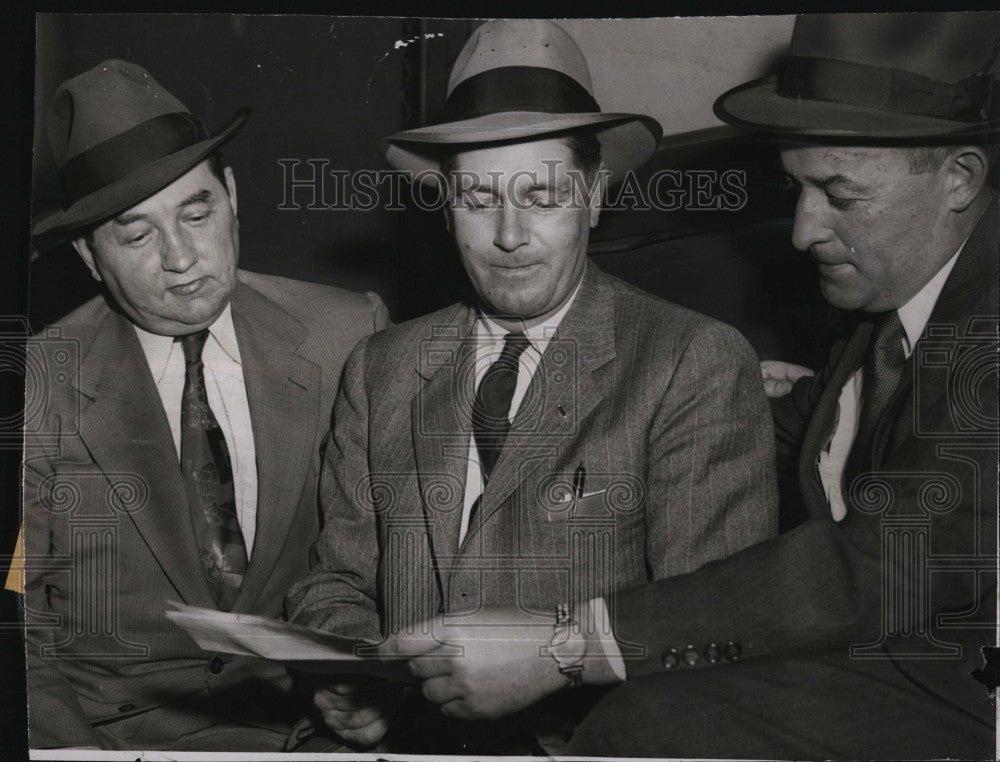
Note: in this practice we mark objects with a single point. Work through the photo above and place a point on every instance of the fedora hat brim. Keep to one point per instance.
(627, 140)
(136, 186)
(757, 106)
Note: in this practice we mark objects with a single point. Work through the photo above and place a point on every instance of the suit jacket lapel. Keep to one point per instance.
(283, 389)
(441, 425)
(125, 429)
(971, 290)
(563, 391)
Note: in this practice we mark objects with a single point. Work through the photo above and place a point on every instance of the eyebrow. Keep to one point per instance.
(559, 187)
(198, 197)
(826, 182)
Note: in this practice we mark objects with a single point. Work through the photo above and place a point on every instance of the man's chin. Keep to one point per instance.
(178, 325)
(841, 296)
(513, 311)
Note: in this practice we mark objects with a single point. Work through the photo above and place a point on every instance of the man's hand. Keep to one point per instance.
(353, 713)
(482, 666)
(780, 377)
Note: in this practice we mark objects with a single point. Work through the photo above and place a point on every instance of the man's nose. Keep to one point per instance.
(176, 253)
(810, 220)
(512, 231)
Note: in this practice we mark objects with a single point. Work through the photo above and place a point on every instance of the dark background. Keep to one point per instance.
(739, 268)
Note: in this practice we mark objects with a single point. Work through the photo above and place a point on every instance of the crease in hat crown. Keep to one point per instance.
(529, 42)
(79, 117)
(521, 80)
(117, 137)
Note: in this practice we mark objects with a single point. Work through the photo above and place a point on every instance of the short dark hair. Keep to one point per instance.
(923, 159)
(583, 145)
(216, 165)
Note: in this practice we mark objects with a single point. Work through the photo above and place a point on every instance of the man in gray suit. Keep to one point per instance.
(172, 442)
(565, 436)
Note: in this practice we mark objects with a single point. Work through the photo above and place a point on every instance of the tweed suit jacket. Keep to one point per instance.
(108, 534)
(663, 407)
(910, 573)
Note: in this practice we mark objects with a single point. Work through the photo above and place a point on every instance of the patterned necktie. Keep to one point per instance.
(882, 372)
(208, 481)
(491, 409)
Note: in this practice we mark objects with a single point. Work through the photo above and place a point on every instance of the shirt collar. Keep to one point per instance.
(916, 312)
(538, 336)
(157, 348)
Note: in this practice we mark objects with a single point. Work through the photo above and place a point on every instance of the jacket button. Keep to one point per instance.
(691, 655)
(670, 658)
(732, 651)
(713, 654)
(126, 708)
(215, 666)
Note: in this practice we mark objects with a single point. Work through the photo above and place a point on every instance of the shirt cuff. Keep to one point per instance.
(599, 623)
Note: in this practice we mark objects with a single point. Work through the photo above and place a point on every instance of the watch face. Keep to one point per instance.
(567, 647)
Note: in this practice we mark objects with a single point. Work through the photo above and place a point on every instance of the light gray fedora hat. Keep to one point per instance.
(517, 80)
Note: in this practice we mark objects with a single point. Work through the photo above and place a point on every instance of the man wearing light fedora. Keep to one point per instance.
(564, 436)
(861, 630)
(172, 445)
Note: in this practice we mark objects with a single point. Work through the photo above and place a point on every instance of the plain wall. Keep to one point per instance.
(674, 68)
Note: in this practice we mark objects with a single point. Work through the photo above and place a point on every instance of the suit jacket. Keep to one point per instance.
(910, 572)
(108, 533)
(663, 407)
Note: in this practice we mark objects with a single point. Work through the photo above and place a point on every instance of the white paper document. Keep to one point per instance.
(302, 648)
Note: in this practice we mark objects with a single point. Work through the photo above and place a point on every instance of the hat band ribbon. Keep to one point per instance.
(974, 99)
(120, 156)
(517, 88)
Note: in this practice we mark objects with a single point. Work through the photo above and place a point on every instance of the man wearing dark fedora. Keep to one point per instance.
(564, 436)
(172, 445)
(861, 630)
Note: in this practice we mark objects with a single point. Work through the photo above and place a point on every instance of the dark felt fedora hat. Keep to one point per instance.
(118, 137)
(925, 76)
(518, 80)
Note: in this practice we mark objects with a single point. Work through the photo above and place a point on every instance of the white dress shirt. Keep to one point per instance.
(489, 345)
(833, 459)
(227, 396)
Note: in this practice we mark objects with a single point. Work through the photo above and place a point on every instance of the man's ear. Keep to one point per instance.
(231, 187)
(967, 168)
(597, 192)
(86, 252)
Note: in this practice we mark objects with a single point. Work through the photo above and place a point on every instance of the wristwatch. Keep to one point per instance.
(568, 646)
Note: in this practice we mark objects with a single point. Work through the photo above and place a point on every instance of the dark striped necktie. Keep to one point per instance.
(491, 409)
(208, 480)
(883, 370)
